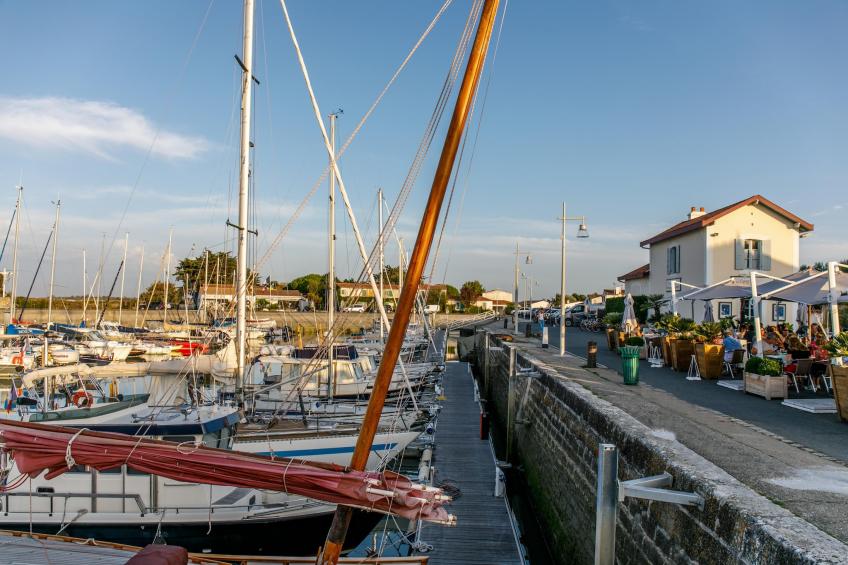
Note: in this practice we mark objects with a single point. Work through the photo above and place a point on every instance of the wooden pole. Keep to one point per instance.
(415, 268)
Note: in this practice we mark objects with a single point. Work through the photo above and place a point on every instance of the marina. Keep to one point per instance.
(293, 283)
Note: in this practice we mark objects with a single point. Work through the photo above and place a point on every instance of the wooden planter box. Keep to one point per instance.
(681, 354)
(839, 377)
(766, 386)
(666, 349)
(710, 359)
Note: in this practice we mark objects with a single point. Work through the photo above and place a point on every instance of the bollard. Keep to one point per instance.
(528, 329)
(545, 337)
(591, 355)
(505, 322)
(484, 424)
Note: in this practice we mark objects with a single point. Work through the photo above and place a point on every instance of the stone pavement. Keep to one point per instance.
(810, 484)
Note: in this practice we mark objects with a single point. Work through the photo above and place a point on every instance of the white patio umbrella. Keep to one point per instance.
(708, 311)
(628, 318)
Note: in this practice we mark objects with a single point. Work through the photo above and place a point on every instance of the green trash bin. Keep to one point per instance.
(630, 364)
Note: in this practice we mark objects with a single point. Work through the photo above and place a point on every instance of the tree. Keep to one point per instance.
(222, 266)
(155, 294)
(313, 286)
(391, 274)
(470, 291)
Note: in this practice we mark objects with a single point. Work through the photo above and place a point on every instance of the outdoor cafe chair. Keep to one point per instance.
(802, 371)
(737, 362)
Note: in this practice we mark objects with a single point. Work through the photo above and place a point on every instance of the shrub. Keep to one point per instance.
(709, 331)
(763, 366)
(614, 304)
(635, 341)
(838, 346)
(612, 319)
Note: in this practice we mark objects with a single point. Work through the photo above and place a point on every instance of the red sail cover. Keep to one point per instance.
(39, 447)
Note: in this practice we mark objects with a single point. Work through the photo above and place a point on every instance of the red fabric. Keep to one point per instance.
(160, 555)
(39, 447)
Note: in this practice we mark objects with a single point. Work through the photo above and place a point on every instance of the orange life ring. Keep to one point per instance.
(81, 399)
(18, 359)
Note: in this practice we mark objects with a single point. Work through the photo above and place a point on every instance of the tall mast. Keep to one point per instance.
(84, 287)
(53, 263)
(167, 275)
(331, 275)
(123, 273)
(341, 519)
(244, 178)
(99, 280)
(138, 287)
(13, 306)
(400, 263)
(380, 244)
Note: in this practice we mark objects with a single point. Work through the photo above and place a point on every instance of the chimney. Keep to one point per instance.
(695, 212)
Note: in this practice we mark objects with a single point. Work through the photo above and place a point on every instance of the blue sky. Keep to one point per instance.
(631, 112)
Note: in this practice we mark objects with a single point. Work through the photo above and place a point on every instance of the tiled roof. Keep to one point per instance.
(637, 273)
(710, 217)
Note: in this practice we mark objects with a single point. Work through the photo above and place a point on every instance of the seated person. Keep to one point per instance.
(730, 344)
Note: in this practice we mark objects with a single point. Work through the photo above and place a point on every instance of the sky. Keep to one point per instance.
(630, 112)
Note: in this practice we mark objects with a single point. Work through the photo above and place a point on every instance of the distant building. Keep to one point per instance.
(497, 294)
(222, 294)
(491, 304)
(637, 281)
(754, 234)
(362, 292)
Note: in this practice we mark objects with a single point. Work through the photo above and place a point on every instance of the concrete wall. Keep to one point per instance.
(752, 222)
(692, 261)
(350, 320)
(555, 443)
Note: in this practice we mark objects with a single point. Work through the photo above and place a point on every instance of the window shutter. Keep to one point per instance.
(765, 255)
(741, 264)
(668, 261)
(677, 262)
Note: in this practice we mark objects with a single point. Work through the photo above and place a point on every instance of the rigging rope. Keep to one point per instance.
(297, 213)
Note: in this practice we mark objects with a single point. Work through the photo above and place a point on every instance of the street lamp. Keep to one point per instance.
(582, 233)
(528, 260)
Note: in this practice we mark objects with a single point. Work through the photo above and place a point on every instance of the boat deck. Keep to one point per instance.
(484, 532)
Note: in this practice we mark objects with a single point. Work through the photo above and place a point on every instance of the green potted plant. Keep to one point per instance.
(612, 321)
(683, 344)
(664, 323)
(708, 349)
(630, 351)
(764, 377)
(837, 349)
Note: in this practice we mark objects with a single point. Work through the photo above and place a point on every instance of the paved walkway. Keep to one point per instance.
(483, 534)
(761, 443)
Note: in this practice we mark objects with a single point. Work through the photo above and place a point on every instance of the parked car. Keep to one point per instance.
(575, 315)
(354, 308)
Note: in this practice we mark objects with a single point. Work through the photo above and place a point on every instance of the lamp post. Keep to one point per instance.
(528, 260)
(582, 233)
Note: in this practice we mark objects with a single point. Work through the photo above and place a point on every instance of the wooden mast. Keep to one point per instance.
(415, 269)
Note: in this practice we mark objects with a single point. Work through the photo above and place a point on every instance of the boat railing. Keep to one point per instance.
(269, 508)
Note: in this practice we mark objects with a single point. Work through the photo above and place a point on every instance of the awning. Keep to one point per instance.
(735, 287)
(38, 447)
(813, 290)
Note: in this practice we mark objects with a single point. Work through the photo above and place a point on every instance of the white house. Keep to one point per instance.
(497, 294)
(222, 294)
(754, 234)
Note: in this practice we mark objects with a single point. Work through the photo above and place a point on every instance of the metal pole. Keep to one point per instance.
(341, 519)
(123, 274)
(606, 505)
(53, 266)
(833, 297)
(755, 305)
(331, 275)
(380, 243)
(512, 367)
(562, 289)
(138, 287)
(515, 295)
(674, 297)
(84, 287)
(244, 179)
(13, 306)
(167, 276)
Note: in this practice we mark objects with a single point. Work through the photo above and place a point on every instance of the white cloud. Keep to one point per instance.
(91, 126)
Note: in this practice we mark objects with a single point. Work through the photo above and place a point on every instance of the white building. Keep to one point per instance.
(754, 234)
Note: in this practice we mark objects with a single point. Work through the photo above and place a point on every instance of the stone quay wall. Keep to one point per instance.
(553, 427)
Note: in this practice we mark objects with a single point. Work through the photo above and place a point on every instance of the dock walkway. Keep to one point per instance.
(484, 533)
